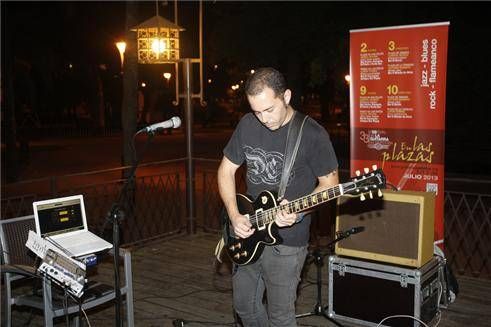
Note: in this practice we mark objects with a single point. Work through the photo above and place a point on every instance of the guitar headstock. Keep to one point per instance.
(366, 183)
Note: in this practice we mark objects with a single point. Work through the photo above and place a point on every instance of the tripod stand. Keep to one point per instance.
(319, 309)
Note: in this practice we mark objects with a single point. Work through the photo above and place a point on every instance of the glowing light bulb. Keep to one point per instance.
(158, 45)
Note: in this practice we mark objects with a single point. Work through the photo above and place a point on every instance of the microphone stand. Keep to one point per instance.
(115, 215)
(319, 309)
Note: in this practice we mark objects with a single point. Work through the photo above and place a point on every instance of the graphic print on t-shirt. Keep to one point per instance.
(264, 167)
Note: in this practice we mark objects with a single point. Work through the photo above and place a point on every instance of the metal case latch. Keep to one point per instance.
(342, 269)
(403, 280)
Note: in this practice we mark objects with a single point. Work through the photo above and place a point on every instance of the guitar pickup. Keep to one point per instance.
(260, 222)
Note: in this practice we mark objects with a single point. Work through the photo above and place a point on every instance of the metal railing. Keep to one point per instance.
(156, 207)
(153, 205)
(468, 233)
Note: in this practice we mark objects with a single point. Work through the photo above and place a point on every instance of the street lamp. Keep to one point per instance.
(121, 45)
(347, 78)
(167, 76)
(157, 41)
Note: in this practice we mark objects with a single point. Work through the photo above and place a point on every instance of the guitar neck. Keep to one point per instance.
(302, 204)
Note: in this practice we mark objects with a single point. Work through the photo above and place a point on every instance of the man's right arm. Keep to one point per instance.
(226, 187)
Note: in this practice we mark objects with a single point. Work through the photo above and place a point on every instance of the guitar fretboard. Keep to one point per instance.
(298, 205)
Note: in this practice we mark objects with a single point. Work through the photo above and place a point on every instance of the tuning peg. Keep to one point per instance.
(362, 197)
(371, 195)
(374, 167)
(379, 193)
(366, 170)
(357, 173)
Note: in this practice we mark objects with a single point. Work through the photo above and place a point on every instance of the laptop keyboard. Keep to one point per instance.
(83, 239)
(80, 243)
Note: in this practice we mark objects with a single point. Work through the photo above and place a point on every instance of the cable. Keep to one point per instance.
(438, 312)
(86, 318)
(402, 316)
(440, 289)
(81, 309)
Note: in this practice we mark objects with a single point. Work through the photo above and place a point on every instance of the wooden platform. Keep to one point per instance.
(177, 279)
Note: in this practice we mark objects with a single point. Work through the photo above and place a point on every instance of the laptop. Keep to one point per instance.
(63, 222)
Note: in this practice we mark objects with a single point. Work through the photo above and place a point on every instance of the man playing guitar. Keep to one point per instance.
(260, 140)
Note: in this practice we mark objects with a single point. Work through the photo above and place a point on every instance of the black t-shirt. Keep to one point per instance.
(263, 152)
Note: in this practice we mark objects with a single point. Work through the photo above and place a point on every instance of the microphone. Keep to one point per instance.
(174, 122)
(351, 231)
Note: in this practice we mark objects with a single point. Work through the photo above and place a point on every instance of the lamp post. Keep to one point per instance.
(121, 45)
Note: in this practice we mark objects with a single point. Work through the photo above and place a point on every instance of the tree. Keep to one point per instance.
(130, 82)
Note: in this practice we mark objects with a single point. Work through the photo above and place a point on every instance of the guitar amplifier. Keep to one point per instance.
(398, 228)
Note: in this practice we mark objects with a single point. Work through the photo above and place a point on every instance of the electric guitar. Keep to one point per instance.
(262, 211)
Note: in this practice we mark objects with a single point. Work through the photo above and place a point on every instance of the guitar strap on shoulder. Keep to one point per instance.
(293, 139)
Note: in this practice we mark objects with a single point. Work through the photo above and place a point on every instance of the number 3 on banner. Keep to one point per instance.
(391, 45)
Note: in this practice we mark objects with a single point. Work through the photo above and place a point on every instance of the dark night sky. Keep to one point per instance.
(288, 35)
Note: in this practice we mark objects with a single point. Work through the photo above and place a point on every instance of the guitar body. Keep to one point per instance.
(262, 212)
(246, 251)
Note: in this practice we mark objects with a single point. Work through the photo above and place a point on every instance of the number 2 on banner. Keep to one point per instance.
(363, 47)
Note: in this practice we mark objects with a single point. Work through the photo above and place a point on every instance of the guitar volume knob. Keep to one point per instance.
(244, 254)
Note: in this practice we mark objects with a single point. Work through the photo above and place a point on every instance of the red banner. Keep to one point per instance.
(397, 98)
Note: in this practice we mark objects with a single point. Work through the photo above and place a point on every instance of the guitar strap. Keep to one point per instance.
(293, 139)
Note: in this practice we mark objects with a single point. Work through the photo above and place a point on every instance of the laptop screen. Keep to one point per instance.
(60, 217)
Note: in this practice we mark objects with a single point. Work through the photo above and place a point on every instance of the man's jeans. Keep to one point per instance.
(278, 272)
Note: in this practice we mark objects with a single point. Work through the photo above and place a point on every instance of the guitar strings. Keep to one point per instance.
(268, 216)
(262, 217)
